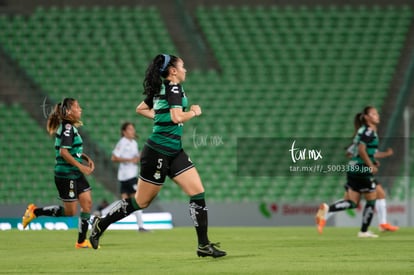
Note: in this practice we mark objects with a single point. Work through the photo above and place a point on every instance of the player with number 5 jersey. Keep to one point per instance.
(167, 105)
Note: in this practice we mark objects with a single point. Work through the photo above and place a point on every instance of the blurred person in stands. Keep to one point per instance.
(362, 167)
(126, 153)
(70, 169)
(167, 105)
(380, 204)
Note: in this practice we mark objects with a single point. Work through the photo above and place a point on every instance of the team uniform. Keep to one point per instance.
(127, 171)
(162, 154)
(359, 176)
(69, 180)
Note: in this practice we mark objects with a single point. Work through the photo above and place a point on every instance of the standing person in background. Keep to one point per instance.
(167, 105)
(126, 153)
(360, 176)
(70, 181)
(380, 204)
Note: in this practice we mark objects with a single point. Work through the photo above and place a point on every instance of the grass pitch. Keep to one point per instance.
(251, 250)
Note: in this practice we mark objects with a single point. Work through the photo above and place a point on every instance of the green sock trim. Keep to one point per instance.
(198, 196)
(84, 215)
(372, 203)
(135, 204)
(353, 204)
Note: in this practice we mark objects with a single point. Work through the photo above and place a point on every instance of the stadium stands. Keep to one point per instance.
(303, 72)
(292, 71)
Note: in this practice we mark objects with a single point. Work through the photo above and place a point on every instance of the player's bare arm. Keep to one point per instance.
(144, 110)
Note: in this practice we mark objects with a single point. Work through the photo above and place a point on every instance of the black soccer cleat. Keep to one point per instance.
(210, 250)
(95, 233)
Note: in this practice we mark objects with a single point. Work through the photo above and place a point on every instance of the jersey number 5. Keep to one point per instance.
(159, 166)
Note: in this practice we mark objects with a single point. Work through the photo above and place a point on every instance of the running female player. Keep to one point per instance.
(70, 181)
(167, 105)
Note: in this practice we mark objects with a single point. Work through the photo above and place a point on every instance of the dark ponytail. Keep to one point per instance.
(157, 70)
(358, 122)
(53, 120)
(59, 113)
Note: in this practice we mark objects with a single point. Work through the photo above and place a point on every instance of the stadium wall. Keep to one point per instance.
(258, 214)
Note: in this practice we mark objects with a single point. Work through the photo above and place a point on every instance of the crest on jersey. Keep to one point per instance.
(157, 175)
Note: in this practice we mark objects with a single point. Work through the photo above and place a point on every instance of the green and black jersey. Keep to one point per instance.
(369, 137)
(67, 136)
(166, 135)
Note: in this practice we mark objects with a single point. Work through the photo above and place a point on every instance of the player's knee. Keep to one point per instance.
(143, 203)
(86, 206)
(70, 212)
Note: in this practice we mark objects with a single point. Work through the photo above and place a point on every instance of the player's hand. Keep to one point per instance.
(91, 164)
(87, 170)
(373, 169)
(196, 109)
(134, 160)
(88, 167)
(389, 152)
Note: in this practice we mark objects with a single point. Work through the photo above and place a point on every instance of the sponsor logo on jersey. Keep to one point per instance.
(67, 131)
(175, 90)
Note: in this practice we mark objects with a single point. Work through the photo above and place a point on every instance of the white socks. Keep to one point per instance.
(328, 215)
(138, 215)
(381, 208)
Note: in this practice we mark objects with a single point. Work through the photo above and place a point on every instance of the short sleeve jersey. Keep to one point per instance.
(368, 137)
(67, 137)
(166, 135)
(126, 148)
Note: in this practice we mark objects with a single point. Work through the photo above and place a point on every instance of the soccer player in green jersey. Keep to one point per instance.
(70, 181)
(162, 155)
(360, 175)
(380, 203)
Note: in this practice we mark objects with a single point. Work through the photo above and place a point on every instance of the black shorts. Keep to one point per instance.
(69, 189)
(156, 166)
(347, 187)
(128, 186)
(361, 184)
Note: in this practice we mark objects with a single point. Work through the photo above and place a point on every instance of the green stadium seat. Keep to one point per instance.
(283, 71)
